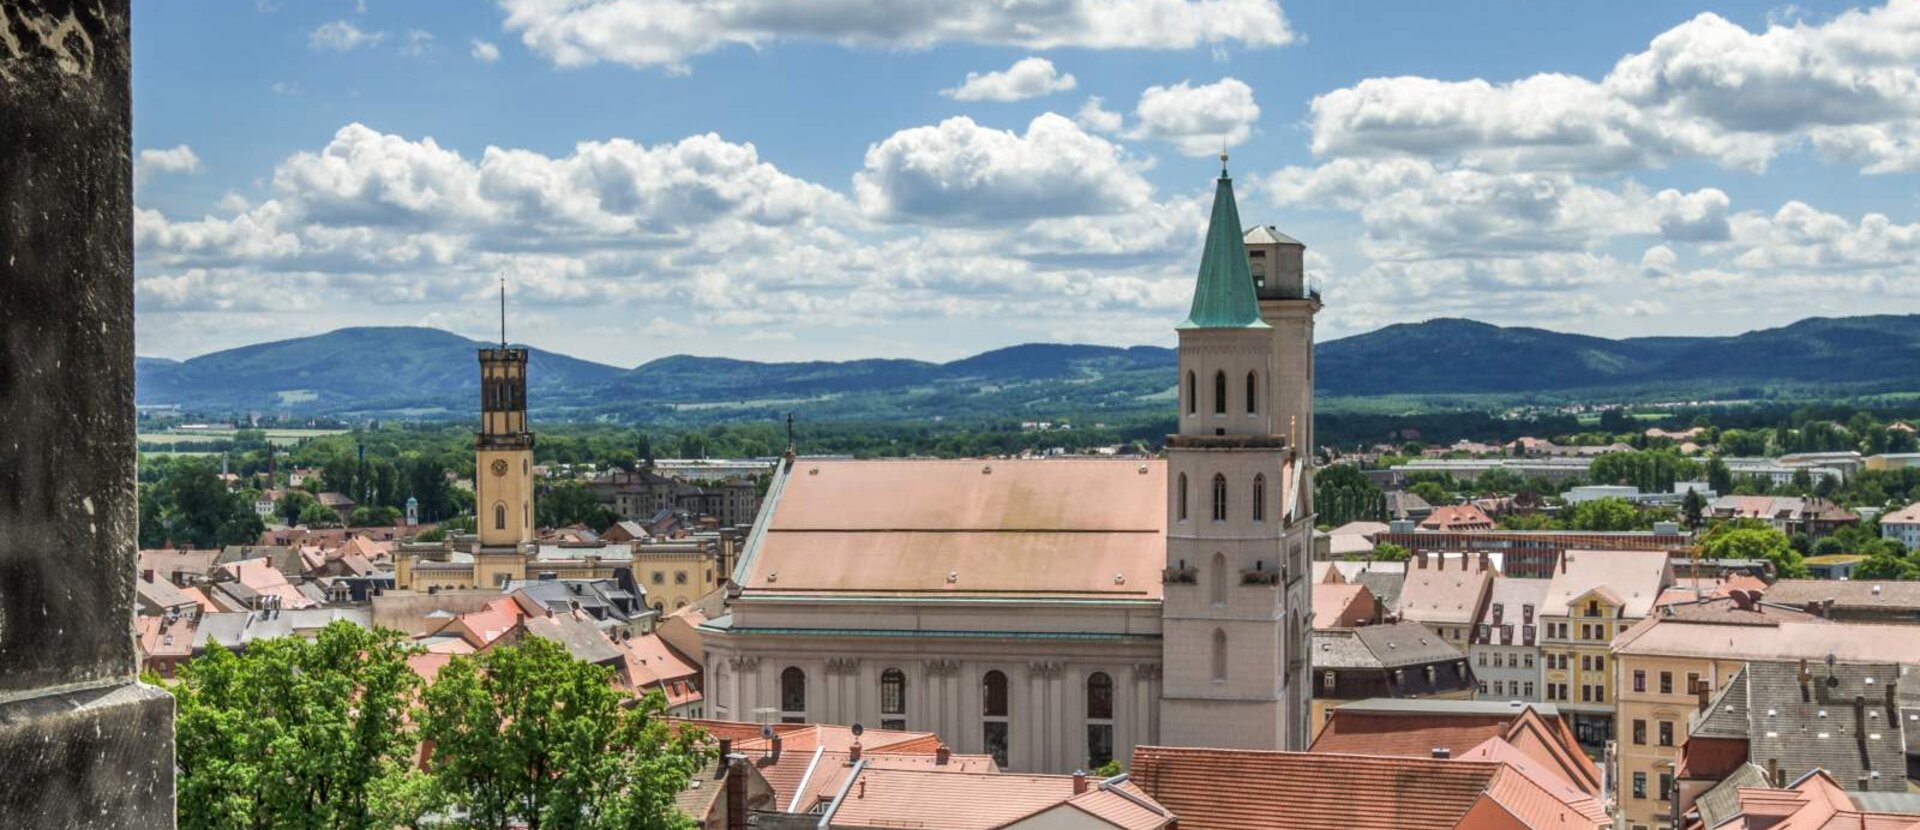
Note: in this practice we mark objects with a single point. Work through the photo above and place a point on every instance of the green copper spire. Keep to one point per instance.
(1224, 299)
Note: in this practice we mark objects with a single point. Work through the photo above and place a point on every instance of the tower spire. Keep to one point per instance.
(1223, 297)
(503, 311)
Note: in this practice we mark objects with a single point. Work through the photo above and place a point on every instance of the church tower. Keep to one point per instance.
(503, 448)
(1235, 600)
(1288, 302)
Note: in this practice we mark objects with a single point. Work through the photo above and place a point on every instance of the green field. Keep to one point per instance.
(279, 437)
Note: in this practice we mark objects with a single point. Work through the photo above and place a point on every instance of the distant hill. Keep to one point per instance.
(423, 371)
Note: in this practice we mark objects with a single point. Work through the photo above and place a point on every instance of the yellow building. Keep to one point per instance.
(1594, 596)
(1666, 664)
(503, 451)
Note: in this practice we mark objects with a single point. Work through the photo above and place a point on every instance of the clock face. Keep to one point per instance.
(499, 466)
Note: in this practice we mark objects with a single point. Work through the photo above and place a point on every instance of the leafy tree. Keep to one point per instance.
(1653, 471)
(1617, 420)
(1693, 509)
(1342, 494)
(1431, 491)
(193, 507)
(432, 534)
(293, 504)
(1608, 514)
(1752, 539)
(526, 735)
(1741, 443)
(318, 515)
(1390, 552)
(378, 515)
(295, 733)
(570, 502)
(1886, 565)
(1529, 521)
(1499, 481)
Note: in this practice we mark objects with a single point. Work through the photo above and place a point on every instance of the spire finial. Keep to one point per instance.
(1223, 162)
(503, 311)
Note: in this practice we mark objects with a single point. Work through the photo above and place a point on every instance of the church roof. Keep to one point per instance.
(1270, 235)
(1088, 529)
(1223, 298)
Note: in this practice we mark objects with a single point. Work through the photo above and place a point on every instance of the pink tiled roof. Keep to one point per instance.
(260, 576)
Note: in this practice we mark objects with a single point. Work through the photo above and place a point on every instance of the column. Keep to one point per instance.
(85, 744)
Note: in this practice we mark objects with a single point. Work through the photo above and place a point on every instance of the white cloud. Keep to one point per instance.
(418, 44)
(1095, 116)
(177, 159)
(1706, 89)
(1199, 120)
(962, 173)
(1026, 78)
(669, 32)
(484, 51)
(342, 36)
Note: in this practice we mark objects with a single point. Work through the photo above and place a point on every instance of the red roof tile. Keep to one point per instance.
(1219, 789)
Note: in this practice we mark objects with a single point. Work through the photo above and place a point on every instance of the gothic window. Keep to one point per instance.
(893, 699)
(500, 516)
(1181, 495)
(1219, 656)
(793, 695)
(1219, 497)
(1193, 393)
(1259, 497)
(993, 708)
(1217, 580)
(1099, 719)
(1219, 393)
(1253, 387)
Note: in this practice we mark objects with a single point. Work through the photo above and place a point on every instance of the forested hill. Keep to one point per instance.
(426, 372)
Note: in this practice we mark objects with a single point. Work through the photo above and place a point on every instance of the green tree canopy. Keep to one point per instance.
(1608, 514)
(1753, 539)
(1342, 494)
(191, 506)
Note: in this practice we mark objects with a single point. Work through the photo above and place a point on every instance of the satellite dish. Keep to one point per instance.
(766, 730)
(858, 730)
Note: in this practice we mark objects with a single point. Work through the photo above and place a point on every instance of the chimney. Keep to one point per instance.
(941, 754)
(1420, 560)
(1773, 773)
(1563, 561)
(853, 752)
(736, 788)
(775, 753)
(1079, 781)
(1826, 608)
(726, 749)
(1705, 695)
(1442, 753)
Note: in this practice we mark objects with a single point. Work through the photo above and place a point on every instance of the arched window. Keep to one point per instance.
(1219, 497)
(793, 695)
(1253, 393)
(1219, 656)
(1181, 497)
(500, 516)
(893, 699)
(993, 709)
(1193, 393)
(1219, 393)
(1217, 580)
(1099, 719)
(1259, 497)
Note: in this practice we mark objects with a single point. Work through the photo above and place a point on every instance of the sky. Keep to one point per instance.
(930, 179)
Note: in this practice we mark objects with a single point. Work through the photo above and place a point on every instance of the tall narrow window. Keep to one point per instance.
(1259, 497)
(1219, 497)
(1099, 719)
(993, 709)
(500, 516)
(1181, 497)
(1193, 393)
(893, 699)
(1219, 656)
(1219, 393)
(1217, 580)
(793, 695)
(1253, 394)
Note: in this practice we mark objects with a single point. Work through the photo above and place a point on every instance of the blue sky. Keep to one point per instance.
(928, 179)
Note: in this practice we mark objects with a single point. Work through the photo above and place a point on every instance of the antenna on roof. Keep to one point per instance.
(503, 311)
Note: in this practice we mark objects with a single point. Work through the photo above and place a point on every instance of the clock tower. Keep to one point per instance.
(503, 448)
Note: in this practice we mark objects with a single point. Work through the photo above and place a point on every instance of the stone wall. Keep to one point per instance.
(84, 744)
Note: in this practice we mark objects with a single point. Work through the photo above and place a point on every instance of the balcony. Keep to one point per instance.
(1180, 576)
(1259, 576)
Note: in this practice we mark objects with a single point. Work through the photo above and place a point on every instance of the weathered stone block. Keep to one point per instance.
(98, 759)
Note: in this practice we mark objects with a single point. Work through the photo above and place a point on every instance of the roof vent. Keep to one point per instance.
(1119, 579)
(987, 470)
(953, 577)
(813, 471)
(773, 576)
(1143, 469)
(1876, 590)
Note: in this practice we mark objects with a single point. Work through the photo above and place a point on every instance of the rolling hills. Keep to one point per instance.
(429, 373)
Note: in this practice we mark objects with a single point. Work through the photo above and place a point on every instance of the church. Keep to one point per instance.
(1057, 613)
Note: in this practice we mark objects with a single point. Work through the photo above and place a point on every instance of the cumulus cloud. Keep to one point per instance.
(962, 173)
(1706, 89)
(342, 36)
(1027, 78)
(418, 44)
(667, 33)
(484, 51)
(1095, 116)
(375, 225)
(176, 159)
(1199, 120)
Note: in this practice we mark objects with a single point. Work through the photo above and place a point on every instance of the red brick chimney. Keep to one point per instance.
(1079, 781)
(941, 754)
(853, 752)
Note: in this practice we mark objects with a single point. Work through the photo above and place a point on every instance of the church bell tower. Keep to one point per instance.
(503, 448)
(1235, 601)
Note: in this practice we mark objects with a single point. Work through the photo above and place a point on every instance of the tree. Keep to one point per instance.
(1693, 509)
(1617, 420)
(1342, 494)
(1752, 539)
(378, 515)
(1885, 565)
(297, 733)
(1388, 552)
(318, 515)
(1719, 477)
(1608, 514)
(191, 506)
(292, 505)
(570, 502)
(1431, 491)
(527, 735)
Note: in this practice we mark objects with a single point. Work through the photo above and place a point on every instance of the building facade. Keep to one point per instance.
(1057, 613)
(1505, 651)
(1596, 596)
